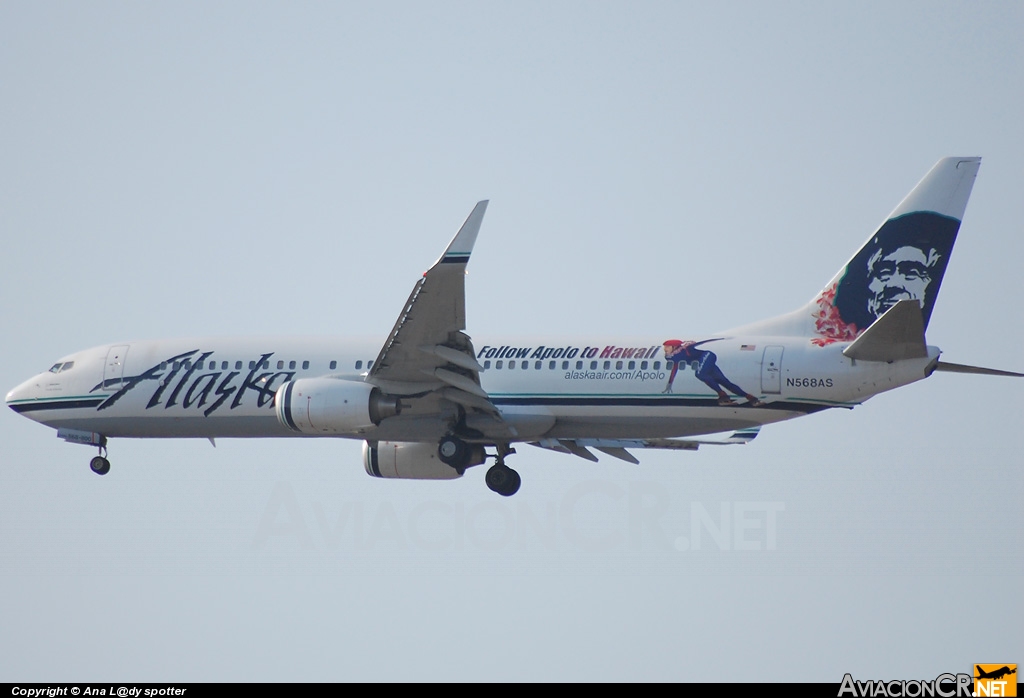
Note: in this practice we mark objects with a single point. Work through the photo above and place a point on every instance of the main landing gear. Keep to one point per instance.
(458, 454)
(99, 464)
(501, 478)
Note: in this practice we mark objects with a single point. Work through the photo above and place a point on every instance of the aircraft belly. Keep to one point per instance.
(177, 427)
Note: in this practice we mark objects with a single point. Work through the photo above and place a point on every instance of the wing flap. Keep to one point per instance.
(617, 447)
(453, 356)
(457, 380)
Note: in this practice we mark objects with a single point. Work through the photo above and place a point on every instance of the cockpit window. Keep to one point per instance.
(62, 366)
(68, 365)
(56, 368)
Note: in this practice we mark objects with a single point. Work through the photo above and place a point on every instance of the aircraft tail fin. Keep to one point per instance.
(904, 259)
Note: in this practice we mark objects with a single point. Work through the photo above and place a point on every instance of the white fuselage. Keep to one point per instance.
(545, 387)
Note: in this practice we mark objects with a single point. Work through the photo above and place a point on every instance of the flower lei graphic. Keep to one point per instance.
(827, 321)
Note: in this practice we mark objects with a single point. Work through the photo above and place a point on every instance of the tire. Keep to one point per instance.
(99, 465)
(503, 480)
(513, 485)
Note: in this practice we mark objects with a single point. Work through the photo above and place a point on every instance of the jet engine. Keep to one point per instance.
(325, 406)
(412, 461)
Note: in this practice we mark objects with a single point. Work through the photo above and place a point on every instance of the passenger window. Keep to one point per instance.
(175, 366)
(526, 365)
(334, 365)
(163, 365)
(607, 365)
(266, 365)
(359, 364)
(657, 365)
(291, 365)
(280, 365)
(252, 365)
(618, 365)
(579, 365)
(551, 365)
(186, 364)
(643, 365)
(498, 364)
(538, 365)
(565, 365)
(238, 365)
(223, 365)
(305, 364)
(632, 365)
(369, 364)
(511, 364)
(593, 365)
(487, 365)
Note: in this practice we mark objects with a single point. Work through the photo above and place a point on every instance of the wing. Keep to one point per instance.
(427, 352)
(617, 447)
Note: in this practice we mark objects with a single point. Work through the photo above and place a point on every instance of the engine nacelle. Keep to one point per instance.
(332, 406)
(409, 461)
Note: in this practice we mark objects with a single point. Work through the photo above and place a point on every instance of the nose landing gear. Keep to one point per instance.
(99, 464)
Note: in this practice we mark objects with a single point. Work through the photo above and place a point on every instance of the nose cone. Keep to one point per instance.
(20, 398)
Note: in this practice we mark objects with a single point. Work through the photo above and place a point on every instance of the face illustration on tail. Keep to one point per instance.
(902, 274)
(904, 260)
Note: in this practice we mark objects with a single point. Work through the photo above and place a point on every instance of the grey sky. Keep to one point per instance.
(183, 169)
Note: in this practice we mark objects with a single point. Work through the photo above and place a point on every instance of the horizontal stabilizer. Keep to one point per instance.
(895, 336)
(960, 368)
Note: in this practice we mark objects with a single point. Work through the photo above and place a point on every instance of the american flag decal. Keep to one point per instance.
(748, 347)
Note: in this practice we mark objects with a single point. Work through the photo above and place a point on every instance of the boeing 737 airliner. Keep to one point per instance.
(431, 402)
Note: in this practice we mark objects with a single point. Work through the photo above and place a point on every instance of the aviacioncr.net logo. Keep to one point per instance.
(943, 686)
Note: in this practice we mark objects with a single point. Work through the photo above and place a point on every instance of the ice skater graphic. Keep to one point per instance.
(680, 352)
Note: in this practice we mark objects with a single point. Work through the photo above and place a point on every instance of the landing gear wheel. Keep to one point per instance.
(502, 479)
(452, 451)
(100, 465)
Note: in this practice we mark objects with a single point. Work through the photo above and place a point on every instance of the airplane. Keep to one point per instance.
(430, 401)
(995, 674)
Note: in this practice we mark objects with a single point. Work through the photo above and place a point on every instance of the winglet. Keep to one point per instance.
(461, 245)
